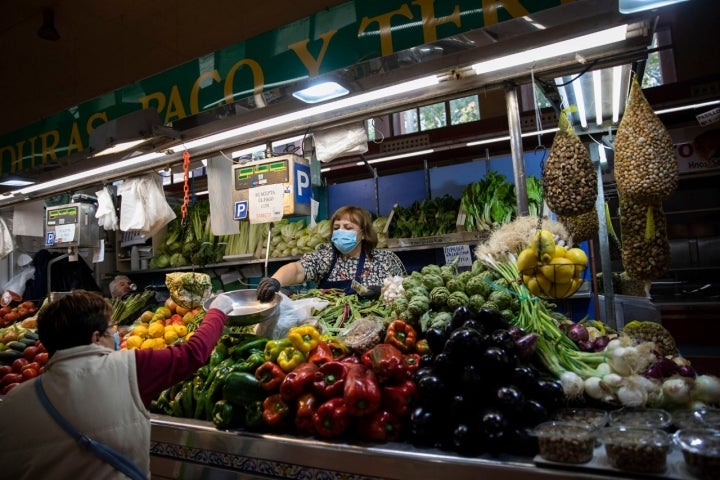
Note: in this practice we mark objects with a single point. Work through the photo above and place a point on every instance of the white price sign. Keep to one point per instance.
(454, 251)
(265, 203)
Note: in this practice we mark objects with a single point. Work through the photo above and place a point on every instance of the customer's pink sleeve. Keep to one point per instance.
(160, 369)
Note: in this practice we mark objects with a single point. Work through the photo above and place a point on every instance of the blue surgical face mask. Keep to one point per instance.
(116, 338)
(344, 240)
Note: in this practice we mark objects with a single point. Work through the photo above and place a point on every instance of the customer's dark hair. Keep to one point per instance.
(71, 320)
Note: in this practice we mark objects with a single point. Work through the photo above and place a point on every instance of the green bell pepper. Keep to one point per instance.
(242, 388)
(225, 415)
(254, 415)
(274, 347)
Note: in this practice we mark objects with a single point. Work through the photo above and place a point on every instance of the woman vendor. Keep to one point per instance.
(350, 262)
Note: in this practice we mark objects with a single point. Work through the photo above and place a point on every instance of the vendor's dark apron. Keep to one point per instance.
(344, 285)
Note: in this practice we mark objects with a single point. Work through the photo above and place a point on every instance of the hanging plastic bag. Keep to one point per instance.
(292, 314)
(106, 215)
(7, 244)
(144, 207)
(337, 142)
(15, 287)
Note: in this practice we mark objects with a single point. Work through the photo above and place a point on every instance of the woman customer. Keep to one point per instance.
(350, 262)
(104, 394)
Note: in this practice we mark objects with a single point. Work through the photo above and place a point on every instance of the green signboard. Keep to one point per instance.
(335, 38)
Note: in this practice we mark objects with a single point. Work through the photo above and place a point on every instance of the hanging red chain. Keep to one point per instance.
(186, 185)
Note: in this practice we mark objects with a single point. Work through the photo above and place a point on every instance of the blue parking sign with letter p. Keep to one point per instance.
(241, 210)
(50, 239)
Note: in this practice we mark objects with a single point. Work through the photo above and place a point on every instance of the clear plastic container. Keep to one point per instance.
(699, 418)
(701, 451)
(565, 442)
(594, 417)
(640, 417)
(636, 449)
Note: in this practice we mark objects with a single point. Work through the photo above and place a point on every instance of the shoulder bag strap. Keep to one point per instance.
(107, 454)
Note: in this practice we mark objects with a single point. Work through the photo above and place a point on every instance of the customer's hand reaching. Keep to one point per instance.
(267, 288)
(223, 302)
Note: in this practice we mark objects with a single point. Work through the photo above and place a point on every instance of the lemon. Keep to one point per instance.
(544, 284)
(140, 331)
(164, 311)
(155, 330)
(578, 257)
(527, 260)
(532, 285)
(559, 270)
(562, 290)
(181, 330)
(560, 251)
(149, 343)
(170, 337)
(134, 341)
(159, 343)
(543, 242)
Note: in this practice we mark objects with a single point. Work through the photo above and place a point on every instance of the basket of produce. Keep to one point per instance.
(247, 309)
(550, 270)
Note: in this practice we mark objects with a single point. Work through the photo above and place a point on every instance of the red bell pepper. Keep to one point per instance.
(331, 418)
(380, 426)
(398, 399)
(401, 335)
(411, 364)
(362, 391)
(321, 354)
(298, 381)
(386, 361)
(269, 376)
(275, 410)
(307, 404)
(330, 379)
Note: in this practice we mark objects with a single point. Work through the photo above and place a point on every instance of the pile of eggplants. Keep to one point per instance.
(478, 390)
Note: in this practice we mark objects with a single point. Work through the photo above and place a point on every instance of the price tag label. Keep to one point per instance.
(65, 233)
(462, 251)
(265, 203)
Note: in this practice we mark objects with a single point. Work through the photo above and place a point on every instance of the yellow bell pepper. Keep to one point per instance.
(304, 337)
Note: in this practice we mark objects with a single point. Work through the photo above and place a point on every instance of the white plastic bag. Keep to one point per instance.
(7, 244)
(144, 207)
(292, 314)
(106, 215)
(337, 142)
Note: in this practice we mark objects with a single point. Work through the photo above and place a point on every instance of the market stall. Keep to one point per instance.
(255, 220)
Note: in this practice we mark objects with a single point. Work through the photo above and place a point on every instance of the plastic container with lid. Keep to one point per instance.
(640, 417)
(565, 442)
(594, 417)
(701, 451)
(636, 449)
(704, 417)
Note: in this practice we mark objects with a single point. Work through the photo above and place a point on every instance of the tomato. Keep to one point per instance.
(41, 358)
(10, 378)
(34, 365)
(6, 389)
(18, 364)
(29, 353)
(176, 319)
(5, 369)
(29, 372)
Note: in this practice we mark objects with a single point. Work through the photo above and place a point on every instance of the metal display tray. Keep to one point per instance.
(190, 449)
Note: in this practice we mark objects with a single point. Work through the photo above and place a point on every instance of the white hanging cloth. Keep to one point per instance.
(7, 244)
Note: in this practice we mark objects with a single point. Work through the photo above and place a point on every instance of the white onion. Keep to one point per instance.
(677, 389)
(572, 384)
(707, 389)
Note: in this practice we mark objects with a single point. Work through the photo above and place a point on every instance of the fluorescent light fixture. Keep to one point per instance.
(321, 92)
(616, 97)
(633, 6)
(507, 137)
(580, 101)
(95, 172)
(597, 90)
(602, 154)
(16, 182)
(687, 107)
(119, 147)
(248, 151)
(400, 155)
(573, 45)
(348, 102)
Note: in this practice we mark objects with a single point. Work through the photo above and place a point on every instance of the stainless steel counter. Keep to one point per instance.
(189, 449)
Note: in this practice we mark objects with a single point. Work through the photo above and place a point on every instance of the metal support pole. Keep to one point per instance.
(516, 148)
(605, 261)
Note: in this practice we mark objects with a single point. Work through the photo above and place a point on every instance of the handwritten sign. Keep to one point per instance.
(454, 251)
(265, 203)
